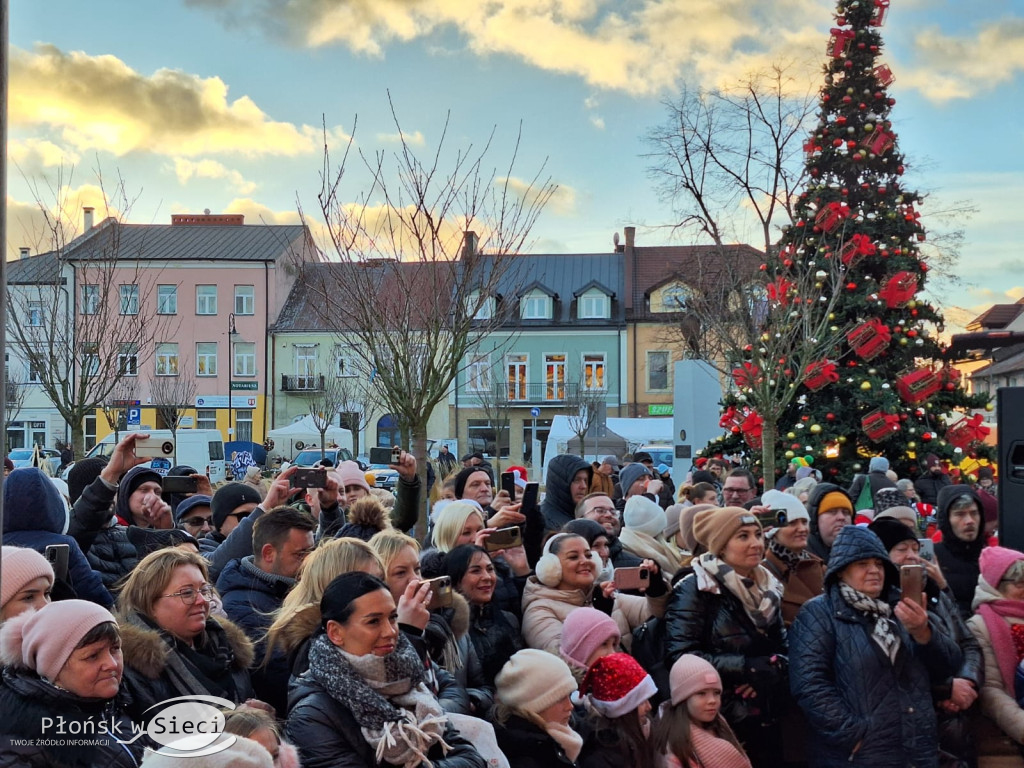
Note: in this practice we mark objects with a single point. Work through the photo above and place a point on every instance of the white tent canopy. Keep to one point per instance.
(635, 432)
(305, 431)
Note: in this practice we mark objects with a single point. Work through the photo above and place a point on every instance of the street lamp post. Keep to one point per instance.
(232, 335)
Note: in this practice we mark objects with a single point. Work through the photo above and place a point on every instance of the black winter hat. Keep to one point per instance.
(891, 531)
(228, 498)
(463, 477)
(82, 475)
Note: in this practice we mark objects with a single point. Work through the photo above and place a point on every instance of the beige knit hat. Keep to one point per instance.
(533, 680)
(19, 566)
(691, 674)
(714, 527)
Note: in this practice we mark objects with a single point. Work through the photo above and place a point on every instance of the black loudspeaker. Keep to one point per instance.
(1010, 409)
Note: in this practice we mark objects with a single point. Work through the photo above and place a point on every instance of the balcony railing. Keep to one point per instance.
(534, 394)
(302, 383)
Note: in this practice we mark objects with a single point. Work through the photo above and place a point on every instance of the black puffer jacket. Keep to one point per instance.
(958, 559)
(527, 746)
(26, 700)
(558, 507)
(328, 735)
(863, 709)
(815, 544)
(106, 546)
(495, 636)
(717, 628)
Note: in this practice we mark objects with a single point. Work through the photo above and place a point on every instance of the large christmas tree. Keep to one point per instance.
(883, 388)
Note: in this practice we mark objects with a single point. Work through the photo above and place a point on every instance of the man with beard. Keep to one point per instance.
(599, 508)
(959, 519)
(830, 509)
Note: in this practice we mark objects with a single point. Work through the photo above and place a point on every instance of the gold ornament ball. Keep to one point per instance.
(911, 445)
(841, 439)
(865, 385)
(815, 429)
(989, 407)
(790, 454)
(790, 435)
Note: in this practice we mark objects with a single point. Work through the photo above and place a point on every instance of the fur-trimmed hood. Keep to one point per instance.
(300, 627)
(146, 651)
(457, 616)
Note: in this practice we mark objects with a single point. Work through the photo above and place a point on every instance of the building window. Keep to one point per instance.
(206, 358)
(90, 358)
(593, 372)
(245, 358)
(206, 418)
(35, 313)
(90, 299)
(167, 299)
(479, 308)
(554, 377)
(536, 306)
(243, 425)
(516, 366)
(345, 365)
(305, 360)
(167, 359)
(674, 298)
(90, 431)
(657, 371)
(35, 372)
(128, 359)
(483, 438)
(245, 300)
(129, 299)
(478, 375)
(206, 299)
(593, 305)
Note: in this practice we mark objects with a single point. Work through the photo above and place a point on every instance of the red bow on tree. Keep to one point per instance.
(752, 429)
(857, 246)
(779, 290)
(747, 375)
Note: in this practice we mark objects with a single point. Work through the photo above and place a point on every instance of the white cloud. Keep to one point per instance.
(54, 220)
(561, 203)
(99, 102)
(597, 121)
(210, 169)
(33, 155)
(414, 139)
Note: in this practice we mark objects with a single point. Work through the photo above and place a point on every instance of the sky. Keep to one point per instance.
(223, 105)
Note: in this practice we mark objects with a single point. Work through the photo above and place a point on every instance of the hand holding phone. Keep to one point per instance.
(631, 578)
(504, 538)
(309, 478)
(441, 593)
(912, 583)
(508, 485)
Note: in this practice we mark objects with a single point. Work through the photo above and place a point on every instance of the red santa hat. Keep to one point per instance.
(617, 685)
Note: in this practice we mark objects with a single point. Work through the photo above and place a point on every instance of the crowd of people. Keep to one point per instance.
(617, 622)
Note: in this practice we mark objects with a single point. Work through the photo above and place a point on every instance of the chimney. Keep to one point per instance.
(24, 252)
(469, 245)
(630, 236)
(87, 215)
(629, 264)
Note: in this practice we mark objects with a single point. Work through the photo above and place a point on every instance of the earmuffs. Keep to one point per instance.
(549, 567)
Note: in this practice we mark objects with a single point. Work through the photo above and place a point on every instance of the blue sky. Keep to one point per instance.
(219, 103)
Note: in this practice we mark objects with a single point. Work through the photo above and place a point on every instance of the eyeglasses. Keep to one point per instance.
(198, 522)
(736, 490)
(601, 511)
(188, 594)
(240, 515)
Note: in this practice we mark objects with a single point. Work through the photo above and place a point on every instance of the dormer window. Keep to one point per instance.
(593, 304)
(675, 297)
(536, 305)
(479, 308)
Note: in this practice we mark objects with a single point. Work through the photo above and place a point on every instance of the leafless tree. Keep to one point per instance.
(78, 310)
(415, 285)
(359, 403)
(15, 391)
(497, 410)
(726, 151)
(582, 406)
(333, 396)
(174, 395)
(115, 405)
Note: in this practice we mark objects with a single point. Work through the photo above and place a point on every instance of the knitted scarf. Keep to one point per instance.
(880, 611)
(570, 741)
(397, 715)
(995, 611)
(760, 595)
(715, 752)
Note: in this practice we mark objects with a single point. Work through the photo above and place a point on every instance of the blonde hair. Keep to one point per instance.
(324, 564)
(450, 522)
(149, 579)
(389, 543)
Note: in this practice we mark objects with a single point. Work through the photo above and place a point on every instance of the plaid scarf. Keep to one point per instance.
(760, 595)
(883, 632)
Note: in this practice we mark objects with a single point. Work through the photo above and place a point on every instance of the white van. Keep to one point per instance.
(199, 448)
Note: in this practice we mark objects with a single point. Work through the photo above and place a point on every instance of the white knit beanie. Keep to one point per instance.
(533, 680)
(643, 515)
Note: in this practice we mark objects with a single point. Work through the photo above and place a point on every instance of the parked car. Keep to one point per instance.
(22, 457)
(310, 456)
(384, 476)
(662, 454)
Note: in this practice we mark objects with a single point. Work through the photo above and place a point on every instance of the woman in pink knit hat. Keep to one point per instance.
(691, 732)
(27, 579)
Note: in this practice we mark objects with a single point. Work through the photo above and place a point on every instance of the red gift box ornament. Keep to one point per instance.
(879, 141)
(899, 289)
(878, 13)
(752, 428)
(884, 75)
(855, 248)
(919, 385)
(828, 218)
(731, 419)
(810, 147)
(869, 339)
(839, 42)
(747, 375)
(967, 432)
(879, 426)
(778, 290)
(820, 375)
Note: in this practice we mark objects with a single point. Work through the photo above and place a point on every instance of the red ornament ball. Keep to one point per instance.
(927, 437)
